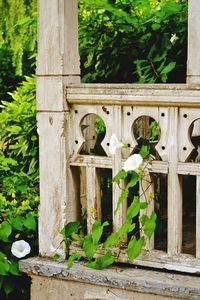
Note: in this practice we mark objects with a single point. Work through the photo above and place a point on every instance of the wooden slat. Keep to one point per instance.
(198, 216)
(188, 169)
(119, 216)
(93, 161)
(158, 167)
(147, 188)
(174, 189)
(106, 162)
(93, 197)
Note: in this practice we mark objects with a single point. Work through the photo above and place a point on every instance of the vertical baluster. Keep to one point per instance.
(93, 196)
(174, 188)
(118, 217)
(147, 188)
(198, 216)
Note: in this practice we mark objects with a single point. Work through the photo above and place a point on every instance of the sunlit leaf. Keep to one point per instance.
(135, 247)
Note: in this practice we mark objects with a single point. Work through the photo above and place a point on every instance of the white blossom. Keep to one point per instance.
(133, 162)
(114, 144)
(20, 248)
(173, 38)
(158, 8)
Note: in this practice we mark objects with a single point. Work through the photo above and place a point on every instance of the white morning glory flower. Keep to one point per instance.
(133, 162)
(158, 8)
(20, 248)
(114, 144)
(173, 38)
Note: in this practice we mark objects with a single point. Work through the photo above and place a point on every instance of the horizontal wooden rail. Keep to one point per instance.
(134, 95)
(106, 162)
(154, 259)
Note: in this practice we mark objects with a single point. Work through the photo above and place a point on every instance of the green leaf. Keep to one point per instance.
(74, 256)
(18, 222)
(135, 247)
(71, 227)
(14, 129)
(29, 222)
(155, 26)
(22, 188)
(144, 151)
(112, 240)
(121, 175)
(102, 262)
(122, 197)
(83, 127)
(133, 209)
(1, 282)
(77, 238)
(89, 247)
(126, 228)
(150, 225)
(134, 180)
(56, 256)
(8, 287)
(168, 68)
(14, 269)
(97, 230)
(4, 264)
(143, 205)
(5, 231)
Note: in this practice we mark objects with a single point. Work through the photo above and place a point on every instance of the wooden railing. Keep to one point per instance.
(175, 108)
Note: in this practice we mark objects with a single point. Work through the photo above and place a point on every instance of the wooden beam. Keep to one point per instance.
(134, 95)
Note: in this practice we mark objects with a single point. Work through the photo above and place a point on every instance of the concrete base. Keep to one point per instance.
(53, 281)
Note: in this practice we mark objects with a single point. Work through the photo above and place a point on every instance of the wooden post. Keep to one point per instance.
(193, 62)
(57, 65)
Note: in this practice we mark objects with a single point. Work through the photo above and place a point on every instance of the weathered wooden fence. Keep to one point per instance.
(175, 108)
(63, 104)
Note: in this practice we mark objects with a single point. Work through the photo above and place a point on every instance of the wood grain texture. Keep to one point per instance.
(157, 95)
(53, 181)
(193, 62)
(58, 42)
(174, 189)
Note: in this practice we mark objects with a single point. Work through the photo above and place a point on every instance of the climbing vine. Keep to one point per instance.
(100, 249)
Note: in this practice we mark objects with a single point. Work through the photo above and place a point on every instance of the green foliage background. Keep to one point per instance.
(18, 185)
(129, 40)
(120, 41)
(18, 29)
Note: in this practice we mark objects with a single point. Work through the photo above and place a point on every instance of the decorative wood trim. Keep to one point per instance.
(134, 95)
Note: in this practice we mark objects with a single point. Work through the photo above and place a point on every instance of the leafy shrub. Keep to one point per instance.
(133, 41)
(18, 185)
(18, 29)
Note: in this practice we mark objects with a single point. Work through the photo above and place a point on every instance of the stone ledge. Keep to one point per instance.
(136, 280)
